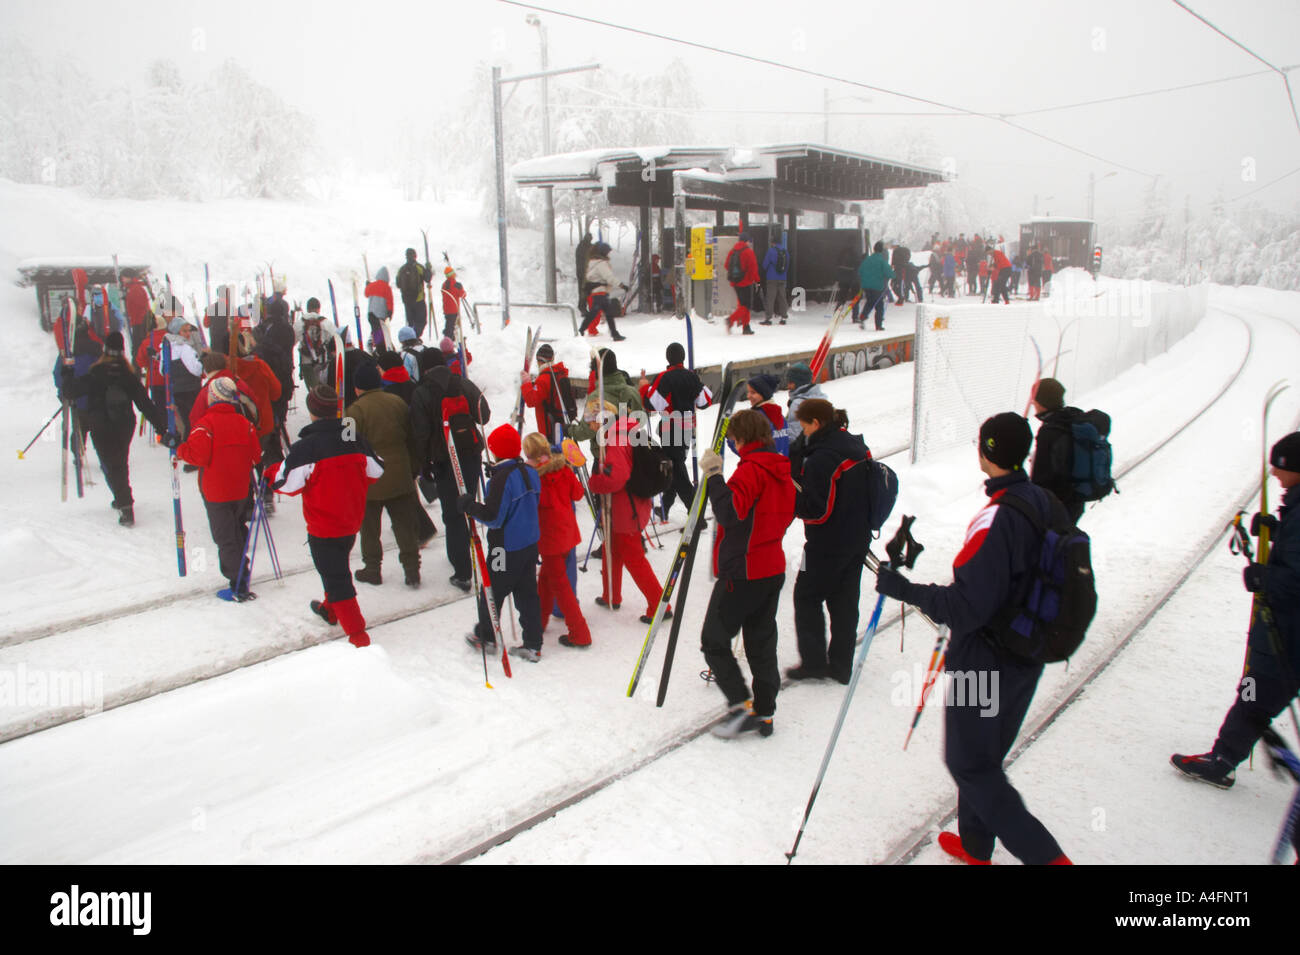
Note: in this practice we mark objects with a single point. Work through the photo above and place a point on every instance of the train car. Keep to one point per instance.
(1070, 241)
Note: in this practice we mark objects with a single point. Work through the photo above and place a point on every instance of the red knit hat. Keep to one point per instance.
(504, 443)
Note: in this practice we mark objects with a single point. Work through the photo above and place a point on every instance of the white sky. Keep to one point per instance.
(358, 68)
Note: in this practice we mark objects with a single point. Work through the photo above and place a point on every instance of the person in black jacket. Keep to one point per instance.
(412, 281)
(441, 392)
(676, 393)
(991, 570)
(1272, 676)
(112, 389)
(832, 501)
(1054, 447)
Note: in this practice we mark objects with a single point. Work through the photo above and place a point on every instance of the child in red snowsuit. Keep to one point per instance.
(559, 535)
(629, 515)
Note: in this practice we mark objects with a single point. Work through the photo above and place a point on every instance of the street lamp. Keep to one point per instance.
(548, 192)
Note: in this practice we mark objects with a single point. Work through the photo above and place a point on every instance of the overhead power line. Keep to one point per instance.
(996, 117)
(1115, 99)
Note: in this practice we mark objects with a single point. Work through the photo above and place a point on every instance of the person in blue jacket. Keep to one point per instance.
(1272, 676)
(510, 513)
(992, 569)
(874, 274)
(776, 266)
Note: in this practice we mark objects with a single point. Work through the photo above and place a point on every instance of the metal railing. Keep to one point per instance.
(573, 310)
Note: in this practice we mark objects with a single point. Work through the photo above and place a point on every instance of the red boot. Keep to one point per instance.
(354, 625)
(950, 843)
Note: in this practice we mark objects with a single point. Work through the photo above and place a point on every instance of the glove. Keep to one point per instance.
(463, 501)
(1253, 577)
(171, 440)
(1261, 521)
(710, 463)
(891, 583)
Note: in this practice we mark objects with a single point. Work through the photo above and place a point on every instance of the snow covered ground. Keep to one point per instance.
(322, 753)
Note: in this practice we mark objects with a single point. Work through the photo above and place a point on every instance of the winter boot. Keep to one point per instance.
(369, 575)
(354, 625)
(746, 330)
(473, 640)
(804, 672)
(950, 843)
(461, 583)
(1208, 768)
(602, 602)
(649, 616)
(412, 576)
(565, 641)
(741, 719)
(526, 653)
(322, 609)
(126, 516)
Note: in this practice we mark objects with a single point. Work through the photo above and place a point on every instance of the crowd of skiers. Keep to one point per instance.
(409, 422)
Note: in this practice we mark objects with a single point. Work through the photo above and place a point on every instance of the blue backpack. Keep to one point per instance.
(1091, 459)
(1048, 623)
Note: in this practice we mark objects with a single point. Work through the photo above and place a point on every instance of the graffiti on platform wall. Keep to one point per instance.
(869, 357)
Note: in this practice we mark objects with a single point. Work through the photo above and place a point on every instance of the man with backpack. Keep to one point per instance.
(994, 567)
(411, 282)
(742, 272)
(776, 266)
(444, 396)
(551, 394)
(676, 393)
(1072, 453)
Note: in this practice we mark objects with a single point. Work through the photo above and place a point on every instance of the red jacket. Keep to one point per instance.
(753, 510)
(142, 359)
(1047, 262)
(452, 293)
(224, 444)
(136, 300)
(1000, 262)
(332, 474)
(382, 290)
(748, 264)
(542, 393)
(255, 378)
(201, 402)
(628, 514)
(559, 526)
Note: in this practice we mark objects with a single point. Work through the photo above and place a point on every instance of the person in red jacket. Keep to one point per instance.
(629, 515)
(746, 265)
(223, 444)
(1048, 269)
(331, 467)
(135, 299)
(545, 392)
(149, 355)
(379, 296)
(559, 535)
(453, 293)
(1001, 269)
(752, 512)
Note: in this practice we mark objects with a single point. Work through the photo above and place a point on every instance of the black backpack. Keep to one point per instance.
(1048, 623)
(562, 390)
(409, 280)
(735, 270)
(782, 259)
(652, 469)
(882, 492)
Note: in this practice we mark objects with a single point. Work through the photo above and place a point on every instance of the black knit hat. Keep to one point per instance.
(113, 343)
(368, 377)
(546, 353)
(765, 385)
(1005, 439)
(675, 353)
(323, 402)
(1050, 393)
(1286, 453)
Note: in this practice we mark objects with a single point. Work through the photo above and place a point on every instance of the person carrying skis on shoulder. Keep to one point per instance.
(509, 512)
(676, 393)
(411, 279)
(218, 315)
(442, 396)
(101, 316)
(776, 266)
(379, 306)
(1272, 674)
(384, 422)
(453, 293)
(148, 356)
(992, 570)
(833, 500)
(752, 511)
(224, 446)
(559, 535)
(601, 281)
(111, 392)
(741, 268)
(874, 274)
(549, 392)
(331, 468)
(315, 335)
(135, 299)
(629, 514)
(409, 341)
(619, 392)
(187, 372)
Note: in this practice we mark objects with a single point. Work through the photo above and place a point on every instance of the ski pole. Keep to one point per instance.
(902, 550)
(57, 412)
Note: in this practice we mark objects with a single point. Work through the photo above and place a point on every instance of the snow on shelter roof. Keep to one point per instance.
(800, 176)
(1061, 219)
(60, 267)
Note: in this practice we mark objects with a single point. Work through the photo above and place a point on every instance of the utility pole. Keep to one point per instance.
(548, 192)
